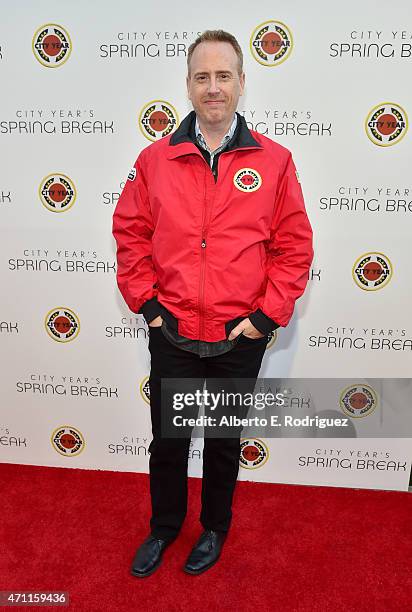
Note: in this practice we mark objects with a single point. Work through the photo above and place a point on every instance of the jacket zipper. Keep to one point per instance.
(203, 244)
(202, 269)
(202, 288)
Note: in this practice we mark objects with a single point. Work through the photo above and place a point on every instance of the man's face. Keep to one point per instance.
(214, 84)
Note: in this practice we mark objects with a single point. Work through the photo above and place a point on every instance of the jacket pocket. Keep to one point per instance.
(170, 319)
(229, 325)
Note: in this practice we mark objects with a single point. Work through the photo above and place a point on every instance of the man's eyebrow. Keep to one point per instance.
(201, 73)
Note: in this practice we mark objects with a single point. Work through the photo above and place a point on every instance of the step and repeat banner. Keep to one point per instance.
(85, 87)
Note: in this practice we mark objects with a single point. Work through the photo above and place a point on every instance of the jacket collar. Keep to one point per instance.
(182, 140)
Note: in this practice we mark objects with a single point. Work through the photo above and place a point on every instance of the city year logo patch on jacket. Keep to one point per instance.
(247, 179)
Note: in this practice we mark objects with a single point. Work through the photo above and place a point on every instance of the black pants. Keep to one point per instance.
(169, 456)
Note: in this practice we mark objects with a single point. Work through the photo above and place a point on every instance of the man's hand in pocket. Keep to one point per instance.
(248, 330)
(157, 322)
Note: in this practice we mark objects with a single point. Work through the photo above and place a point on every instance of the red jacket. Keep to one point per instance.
(208, 254)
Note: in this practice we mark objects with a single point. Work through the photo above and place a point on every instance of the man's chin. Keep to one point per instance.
(214, 115)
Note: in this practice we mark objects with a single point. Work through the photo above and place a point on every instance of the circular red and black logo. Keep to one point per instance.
(253, 453)
(57, 192)
(52, 45)
(271, 43)
(158, 119)
(67, 441)
(247, 179)
(358, 400)
(386, 124)
(62, 324)
(145, 389)
(372, 271)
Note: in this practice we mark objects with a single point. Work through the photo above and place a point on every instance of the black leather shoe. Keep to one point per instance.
(206, 552)
(148, 556)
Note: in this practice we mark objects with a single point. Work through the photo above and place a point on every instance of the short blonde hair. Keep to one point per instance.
(216, 36)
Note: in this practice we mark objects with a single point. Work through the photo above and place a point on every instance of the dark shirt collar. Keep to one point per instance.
(226, 138)
(241, 138)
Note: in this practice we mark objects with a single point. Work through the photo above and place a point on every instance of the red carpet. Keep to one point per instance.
(290, 548)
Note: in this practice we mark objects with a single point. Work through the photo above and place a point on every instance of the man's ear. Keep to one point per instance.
(242, 79)
(187, 86)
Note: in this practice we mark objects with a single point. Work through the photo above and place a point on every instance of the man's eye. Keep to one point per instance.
(201, 78)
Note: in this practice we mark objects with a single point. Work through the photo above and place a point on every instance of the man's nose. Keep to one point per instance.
(214, 85)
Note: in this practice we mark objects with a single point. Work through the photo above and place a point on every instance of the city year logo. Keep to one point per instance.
(145, 389)
(132, 174)
(247, 179)
(271, 43)
(158, 119)
(358, 400)
(386, 124)
(51, 45)
(67, 441)
(57, 192)
(253, 453)
(372, 271)
(62, 324)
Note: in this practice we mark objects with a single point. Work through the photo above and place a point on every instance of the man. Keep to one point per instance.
(213, 248)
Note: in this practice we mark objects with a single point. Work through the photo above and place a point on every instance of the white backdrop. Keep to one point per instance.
(75, 78)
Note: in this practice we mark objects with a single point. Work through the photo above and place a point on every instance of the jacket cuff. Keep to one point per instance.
(262, 322)
(150, 309)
